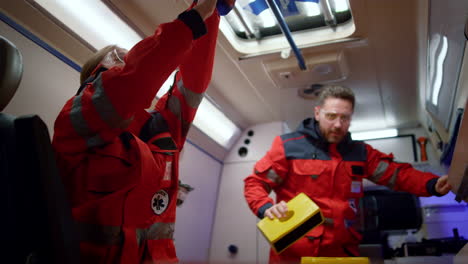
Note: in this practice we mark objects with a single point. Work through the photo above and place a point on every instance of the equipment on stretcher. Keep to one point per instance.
(331, 260)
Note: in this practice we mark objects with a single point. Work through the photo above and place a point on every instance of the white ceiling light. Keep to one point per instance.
(211, 121)
(93, 21)
(367, 135)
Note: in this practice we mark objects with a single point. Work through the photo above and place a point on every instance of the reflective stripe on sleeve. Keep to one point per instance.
(392, 181)
(174, 106)
(379, 171)
(105, 108)
(193, 99)
(274, 177)
(80, 125)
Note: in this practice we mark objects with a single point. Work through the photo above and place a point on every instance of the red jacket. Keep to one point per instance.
(119, 162)
(331, 175)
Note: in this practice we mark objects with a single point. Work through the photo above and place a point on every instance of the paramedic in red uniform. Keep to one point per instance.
(321, 160)
(118, 161)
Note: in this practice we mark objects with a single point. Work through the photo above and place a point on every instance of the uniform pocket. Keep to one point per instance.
(315, 233)
(311, 177)
(355, 172)
(313, 169)
(263, 165)
(265, 168)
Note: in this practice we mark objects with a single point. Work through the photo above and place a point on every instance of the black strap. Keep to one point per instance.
(194, 21)
(126, 137)
(90, 80)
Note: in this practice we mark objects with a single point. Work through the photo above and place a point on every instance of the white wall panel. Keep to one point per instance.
(47, 82)
(196, 215)
(235, 224)
(260, 142)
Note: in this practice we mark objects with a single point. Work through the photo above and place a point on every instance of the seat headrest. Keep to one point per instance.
(11, 70)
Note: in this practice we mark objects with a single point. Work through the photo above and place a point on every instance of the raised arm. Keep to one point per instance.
(180, 104)
(105, 107)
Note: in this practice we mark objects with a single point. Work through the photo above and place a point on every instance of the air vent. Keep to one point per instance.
(311, 93)
(321, 68)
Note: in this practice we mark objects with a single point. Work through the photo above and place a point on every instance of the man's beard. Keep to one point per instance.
(334, 135)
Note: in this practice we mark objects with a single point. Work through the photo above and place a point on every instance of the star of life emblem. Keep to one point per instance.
(160, 202)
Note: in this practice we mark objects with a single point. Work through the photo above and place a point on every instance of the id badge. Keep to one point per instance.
(356, 187)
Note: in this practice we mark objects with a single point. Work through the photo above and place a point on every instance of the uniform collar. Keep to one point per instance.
(310, 128)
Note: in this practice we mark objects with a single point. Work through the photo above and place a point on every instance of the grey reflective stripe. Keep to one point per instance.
(174, 106)
(77, 119)
(113, 235)
(328, 221)
(271, 175)
(155, 232)
(105, 108)
(193, 99)
(185, 127)
(80, 125)
(392, 181)
(95, 141)
(379, 171)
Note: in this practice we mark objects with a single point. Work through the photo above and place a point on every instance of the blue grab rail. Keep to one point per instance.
(287, 33)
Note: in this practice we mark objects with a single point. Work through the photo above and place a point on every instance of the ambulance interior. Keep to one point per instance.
(404, 59)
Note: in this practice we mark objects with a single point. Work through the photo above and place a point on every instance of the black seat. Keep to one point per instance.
(35, 214)
(386, 212)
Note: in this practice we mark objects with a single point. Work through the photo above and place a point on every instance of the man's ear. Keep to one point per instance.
(316, 112)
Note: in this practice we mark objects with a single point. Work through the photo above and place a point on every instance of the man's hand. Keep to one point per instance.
(279, 210)
(205, 8)
(442, 186)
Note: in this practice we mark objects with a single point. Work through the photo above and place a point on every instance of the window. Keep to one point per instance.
(446, 48)
(252, 21)
(93, 22)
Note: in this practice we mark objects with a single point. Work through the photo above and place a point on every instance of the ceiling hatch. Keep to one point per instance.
(252, 28)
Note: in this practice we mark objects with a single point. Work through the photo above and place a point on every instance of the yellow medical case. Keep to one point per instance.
(330, 260)
(302, 216)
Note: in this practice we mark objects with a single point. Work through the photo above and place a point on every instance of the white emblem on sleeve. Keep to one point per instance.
(160, 202)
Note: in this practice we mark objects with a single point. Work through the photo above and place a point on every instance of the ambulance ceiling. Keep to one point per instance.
(375, 53)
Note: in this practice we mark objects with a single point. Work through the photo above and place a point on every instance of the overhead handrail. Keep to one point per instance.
(287, 33)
